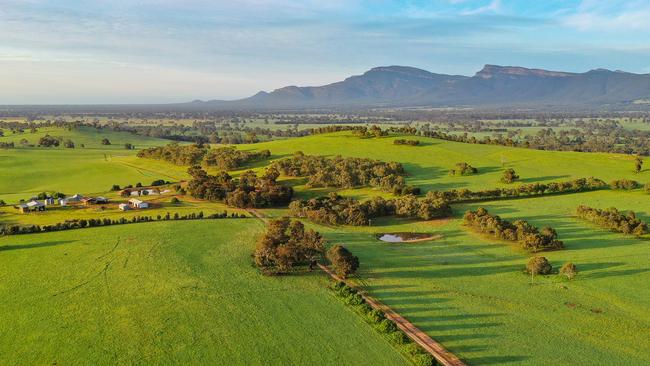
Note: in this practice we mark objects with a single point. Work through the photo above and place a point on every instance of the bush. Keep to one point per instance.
(376, 316)
(509, 176)
(569, 270)
(398, 337)
(538, 265)
(365, 308)
(115, 187)
(423, 359)
(174, 200)
(387, 326)
(158, 182)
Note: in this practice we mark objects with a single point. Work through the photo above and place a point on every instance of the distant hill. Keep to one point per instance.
(400, 86)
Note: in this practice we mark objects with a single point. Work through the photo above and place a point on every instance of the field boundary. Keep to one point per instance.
(435, 349)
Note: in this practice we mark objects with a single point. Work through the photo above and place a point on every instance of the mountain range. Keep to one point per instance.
(402, 86)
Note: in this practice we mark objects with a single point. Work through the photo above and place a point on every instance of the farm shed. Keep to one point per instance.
(136, 203)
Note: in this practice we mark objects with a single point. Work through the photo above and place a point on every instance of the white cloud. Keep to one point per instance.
(609, 16)
(494, 6)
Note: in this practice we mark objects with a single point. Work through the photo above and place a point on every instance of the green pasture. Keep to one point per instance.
(169, 293)
(429, 163)
(469, 291)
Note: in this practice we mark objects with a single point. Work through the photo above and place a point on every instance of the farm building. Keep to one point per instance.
(31, 206)
(135, 193)
(76, 198)
(124, 207)
(94, 200)
(152, 191)
(63, 202)
(49, 201)
(136, 203)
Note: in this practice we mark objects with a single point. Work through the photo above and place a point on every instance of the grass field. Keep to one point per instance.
(470, 293)
(429, 163)
(161, 293)
(176, 287)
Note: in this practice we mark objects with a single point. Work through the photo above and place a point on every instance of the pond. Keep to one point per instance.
(406, 237)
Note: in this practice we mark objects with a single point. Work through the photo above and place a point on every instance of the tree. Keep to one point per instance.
(569, 270)
(638, 164)
(68, 144)
(105, 141)
(116, 187)
(538, 265)
(509, 176)
(129, 146)
(343, 262)
(285, 244)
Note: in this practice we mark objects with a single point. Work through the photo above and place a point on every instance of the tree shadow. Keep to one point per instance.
(34, 245)
(544, 178)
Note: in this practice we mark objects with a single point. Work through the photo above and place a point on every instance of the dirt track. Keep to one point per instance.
(436, 350)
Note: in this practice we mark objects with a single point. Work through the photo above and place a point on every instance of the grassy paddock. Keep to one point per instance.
(172, 292)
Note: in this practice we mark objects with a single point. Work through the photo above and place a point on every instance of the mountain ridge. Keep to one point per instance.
(493, 85)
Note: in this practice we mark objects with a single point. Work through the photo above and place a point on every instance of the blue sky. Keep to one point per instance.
(119, 51)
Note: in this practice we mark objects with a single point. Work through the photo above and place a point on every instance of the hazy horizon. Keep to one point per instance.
(71, 52)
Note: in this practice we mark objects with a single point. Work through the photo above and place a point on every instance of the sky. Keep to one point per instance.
(130, 51)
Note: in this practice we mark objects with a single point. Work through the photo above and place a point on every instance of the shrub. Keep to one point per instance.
(387, 326)
(538, 265)
(509, 176)
(158, 182)
(376, 316)
(365, 308)
(354, 300)
(174, 200)
(115, 187)
(423, 359)
(398, 337)
(569, 270)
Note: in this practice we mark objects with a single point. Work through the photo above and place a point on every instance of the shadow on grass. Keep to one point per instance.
(35, 245)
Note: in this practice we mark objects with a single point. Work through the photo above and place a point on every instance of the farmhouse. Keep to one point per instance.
(136, 203)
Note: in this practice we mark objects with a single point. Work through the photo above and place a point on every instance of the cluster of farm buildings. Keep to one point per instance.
(40, 205)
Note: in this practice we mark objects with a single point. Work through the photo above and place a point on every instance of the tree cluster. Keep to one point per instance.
(463, 169)
(373, 131)
(406, 142)
(528, 236)
(228, 158)
(337, 210)
(524, 190)
(224, 158)
(624, 184)
(345, 172)
(49, 141)
(247, 191)
(613, 219)
(287, 244)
